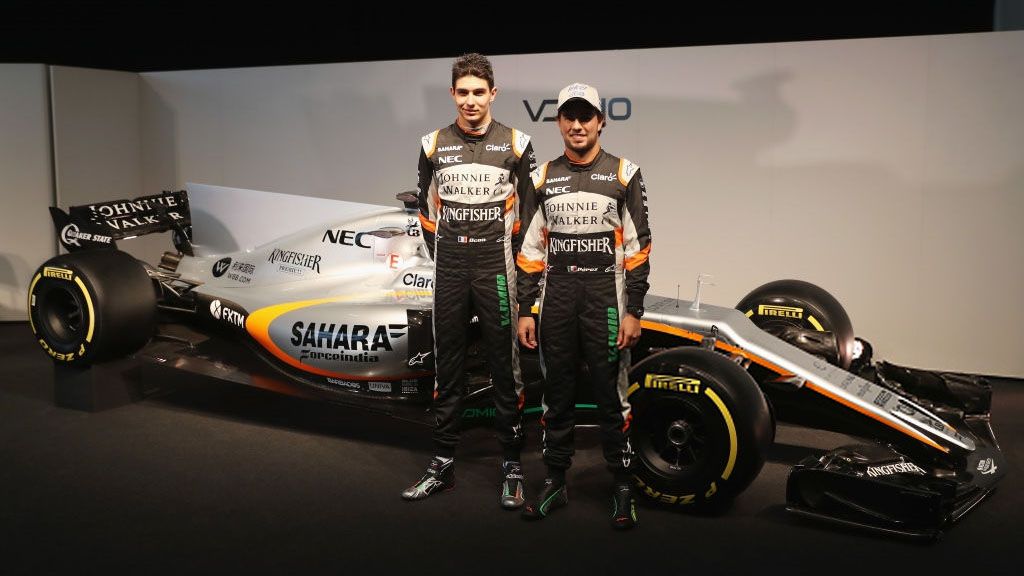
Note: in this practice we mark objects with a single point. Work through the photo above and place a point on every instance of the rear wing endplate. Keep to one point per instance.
(100, 225)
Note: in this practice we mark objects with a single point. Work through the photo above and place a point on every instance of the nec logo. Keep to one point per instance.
(613, 108)
(557, 190)
(449, 159)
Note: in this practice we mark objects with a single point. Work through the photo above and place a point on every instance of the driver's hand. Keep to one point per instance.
(528, 332)
(629, 332)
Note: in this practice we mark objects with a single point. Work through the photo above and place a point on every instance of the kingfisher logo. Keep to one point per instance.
(618, 109)
(898, 468)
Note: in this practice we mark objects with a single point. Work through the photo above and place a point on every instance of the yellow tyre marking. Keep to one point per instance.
(632, 388)
(32, 287)
(750, 313)
(732, 431)
(814, 322)
(88, 302)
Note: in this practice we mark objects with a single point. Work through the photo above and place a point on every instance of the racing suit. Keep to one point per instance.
(469, 187)
(586, 233)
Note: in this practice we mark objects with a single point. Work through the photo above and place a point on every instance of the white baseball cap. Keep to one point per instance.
(578, 91)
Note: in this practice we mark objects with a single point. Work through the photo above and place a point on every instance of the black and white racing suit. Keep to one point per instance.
(469, 189)
(586, 233)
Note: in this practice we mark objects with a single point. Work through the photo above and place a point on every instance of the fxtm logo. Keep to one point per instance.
(613, 108)
(222, 312)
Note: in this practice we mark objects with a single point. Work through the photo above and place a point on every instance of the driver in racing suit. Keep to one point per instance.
(585, 231)
(471, 175)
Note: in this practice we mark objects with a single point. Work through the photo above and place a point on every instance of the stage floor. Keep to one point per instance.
(211, 476)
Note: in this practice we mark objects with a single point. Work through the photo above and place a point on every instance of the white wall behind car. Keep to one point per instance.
(26, 183)
(886, 170)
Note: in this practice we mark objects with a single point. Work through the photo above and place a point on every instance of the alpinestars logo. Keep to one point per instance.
(418, 359)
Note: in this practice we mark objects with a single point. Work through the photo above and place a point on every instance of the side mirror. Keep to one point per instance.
(410, 198)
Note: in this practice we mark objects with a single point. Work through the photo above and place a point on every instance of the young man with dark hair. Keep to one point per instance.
(471, 175)
(586, 233)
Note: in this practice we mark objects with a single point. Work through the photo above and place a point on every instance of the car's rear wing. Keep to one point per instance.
(100, 225)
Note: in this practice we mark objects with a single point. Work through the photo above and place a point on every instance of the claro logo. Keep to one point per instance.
(619, 108)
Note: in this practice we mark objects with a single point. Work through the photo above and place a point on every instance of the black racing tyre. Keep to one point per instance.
(87, 307)
(701, 427)
(778, 306)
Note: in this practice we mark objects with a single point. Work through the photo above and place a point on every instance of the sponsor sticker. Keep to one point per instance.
(58, 273)
(221, 266)
(898, 468)
(344, 383)
(384, 387)
(672, 383)
(780, 311)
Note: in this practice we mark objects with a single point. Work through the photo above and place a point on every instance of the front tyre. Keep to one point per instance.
(701, 427)
(797, 311)
(87, 307)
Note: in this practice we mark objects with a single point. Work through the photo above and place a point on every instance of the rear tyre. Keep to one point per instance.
(87, 307)
(701, 427)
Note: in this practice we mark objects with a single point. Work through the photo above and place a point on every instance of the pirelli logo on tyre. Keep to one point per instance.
(58, 273)
(672, 383)
(781, 311)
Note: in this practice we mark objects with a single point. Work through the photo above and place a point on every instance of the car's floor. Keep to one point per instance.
(210, 476)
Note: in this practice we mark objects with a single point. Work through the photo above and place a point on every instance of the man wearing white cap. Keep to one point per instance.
(586, 233)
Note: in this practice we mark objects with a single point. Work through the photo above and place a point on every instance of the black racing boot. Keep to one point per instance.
(623, 507)
(440, 475)
(511, 485)
(553, 495)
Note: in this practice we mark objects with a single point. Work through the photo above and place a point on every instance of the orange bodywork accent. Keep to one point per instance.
(427, 224)
(258, 326)
(664, 328)
(618, 237)
(909, 432)
(510, 203)
(638, 258)
(516, 226)
(529, 266)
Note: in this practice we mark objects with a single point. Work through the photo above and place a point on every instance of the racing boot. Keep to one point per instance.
(553, 495)
(440, 475)
(511, 485)
(623, 506)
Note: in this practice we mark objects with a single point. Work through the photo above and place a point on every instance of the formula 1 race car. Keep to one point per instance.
(343, 313)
